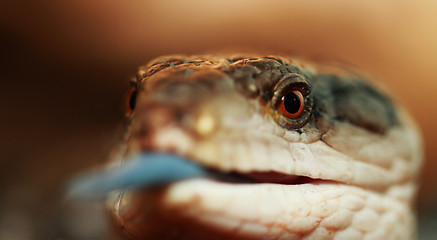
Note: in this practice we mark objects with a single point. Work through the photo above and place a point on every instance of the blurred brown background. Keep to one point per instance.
(65, 67)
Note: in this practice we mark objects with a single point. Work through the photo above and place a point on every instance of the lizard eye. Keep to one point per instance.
(292, 104)
(131, 100)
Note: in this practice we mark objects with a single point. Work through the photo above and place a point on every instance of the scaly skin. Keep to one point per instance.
(359, 151)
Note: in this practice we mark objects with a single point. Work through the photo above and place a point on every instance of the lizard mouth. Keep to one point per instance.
(188, 197)
(257, 177)
(272, 177)
(149, 170)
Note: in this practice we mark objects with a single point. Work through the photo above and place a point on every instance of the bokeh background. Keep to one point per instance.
(65, 67)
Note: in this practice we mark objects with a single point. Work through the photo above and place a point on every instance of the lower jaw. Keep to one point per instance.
(208, 209)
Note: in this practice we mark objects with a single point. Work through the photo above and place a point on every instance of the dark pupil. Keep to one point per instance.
(133, 100)
(291, 102)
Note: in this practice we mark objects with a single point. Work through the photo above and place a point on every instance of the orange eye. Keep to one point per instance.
(131, 100)
(292, 104)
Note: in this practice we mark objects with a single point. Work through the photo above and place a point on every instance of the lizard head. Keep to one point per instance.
(287, 150)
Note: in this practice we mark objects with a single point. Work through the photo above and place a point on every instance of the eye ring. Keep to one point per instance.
(131, 100)
(291, 101)
(292, 104)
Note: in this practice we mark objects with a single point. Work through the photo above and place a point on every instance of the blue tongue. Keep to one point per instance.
(142, 171)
